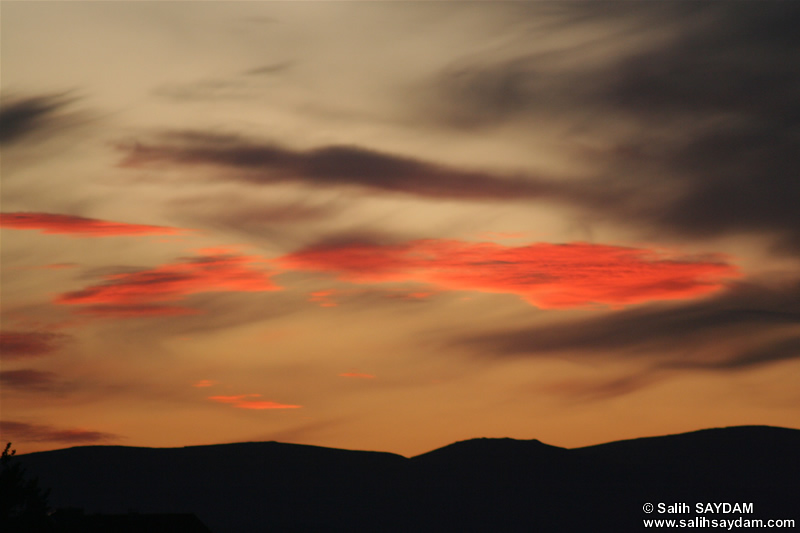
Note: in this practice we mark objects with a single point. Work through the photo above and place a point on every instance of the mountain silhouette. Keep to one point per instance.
(476, 485)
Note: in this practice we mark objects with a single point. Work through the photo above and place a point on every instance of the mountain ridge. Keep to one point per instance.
(480, 484)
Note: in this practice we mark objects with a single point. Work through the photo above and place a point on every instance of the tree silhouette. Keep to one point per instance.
(23, 505)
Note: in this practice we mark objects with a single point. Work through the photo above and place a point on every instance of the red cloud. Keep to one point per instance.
(141, 293)
(18, 344)
(545, 275)
(241, 402)
(205, 383)
(80, 226)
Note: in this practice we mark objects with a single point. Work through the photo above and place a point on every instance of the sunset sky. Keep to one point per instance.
(391, 226)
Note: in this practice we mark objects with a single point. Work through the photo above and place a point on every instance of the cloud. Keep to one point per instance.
(333, 166)
(240, 401)
(27, 379)
(746, 326)
(24, 344)
(20, 117)
(79, 226)
(204, 383)
(21, 431)
(694, 126)
(593, 390)
(545, 275)
(260, 218)
(144, 292)
(271, 69)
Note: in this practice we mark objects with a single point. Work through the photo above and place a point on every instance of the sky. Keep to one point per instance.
(395, 225)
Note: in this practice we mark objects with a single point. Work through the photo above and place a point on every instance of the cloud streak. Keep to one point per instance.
(329, 166)
(241, 401)
(545, 275)
(20, 117)
(75, 226)
(27, 379)
(747, 326)
(24, 344)
(21, 431)
(144, 292)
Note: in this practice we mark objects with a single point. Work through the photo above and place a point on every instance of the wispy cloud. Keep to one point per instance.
(80, 226)
(24, 432)
(22, 116)
(242, 401)
(24, 344)
(746, 326)
(693, 127)
(143, 293)
(545, 275)
(27, 379)
(262, 163)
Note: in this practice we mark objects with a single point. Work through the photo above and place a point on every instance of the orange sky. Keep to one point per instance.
(391, 226)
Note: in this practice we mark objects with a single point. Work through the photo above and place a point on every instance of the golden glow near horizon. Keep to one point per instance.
(391, 226)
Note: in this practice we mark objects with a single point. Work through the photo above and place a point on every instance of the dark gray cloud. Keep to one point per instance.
(332, 166)
(21, 431)
(693, 126)
(701, 119)
(20, 117)
(747, 326)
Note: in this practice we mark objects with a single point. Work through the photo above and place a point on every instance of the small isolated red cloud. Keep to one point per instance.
(80, 226)
(241, 401)
(356, 375)
(543, 274)
(204, 383)
(142, 293)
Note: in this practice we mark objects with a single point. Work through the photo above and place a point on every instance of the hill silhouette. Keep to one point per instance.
(475, 485)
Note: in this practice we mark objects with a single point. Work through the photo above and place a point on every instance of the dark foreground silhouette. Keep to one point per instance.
(481, 485)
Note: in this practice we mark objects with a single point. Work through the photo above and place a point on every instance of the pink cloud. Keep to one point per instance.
(543, 274)
(204, 383)
(79, 226)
